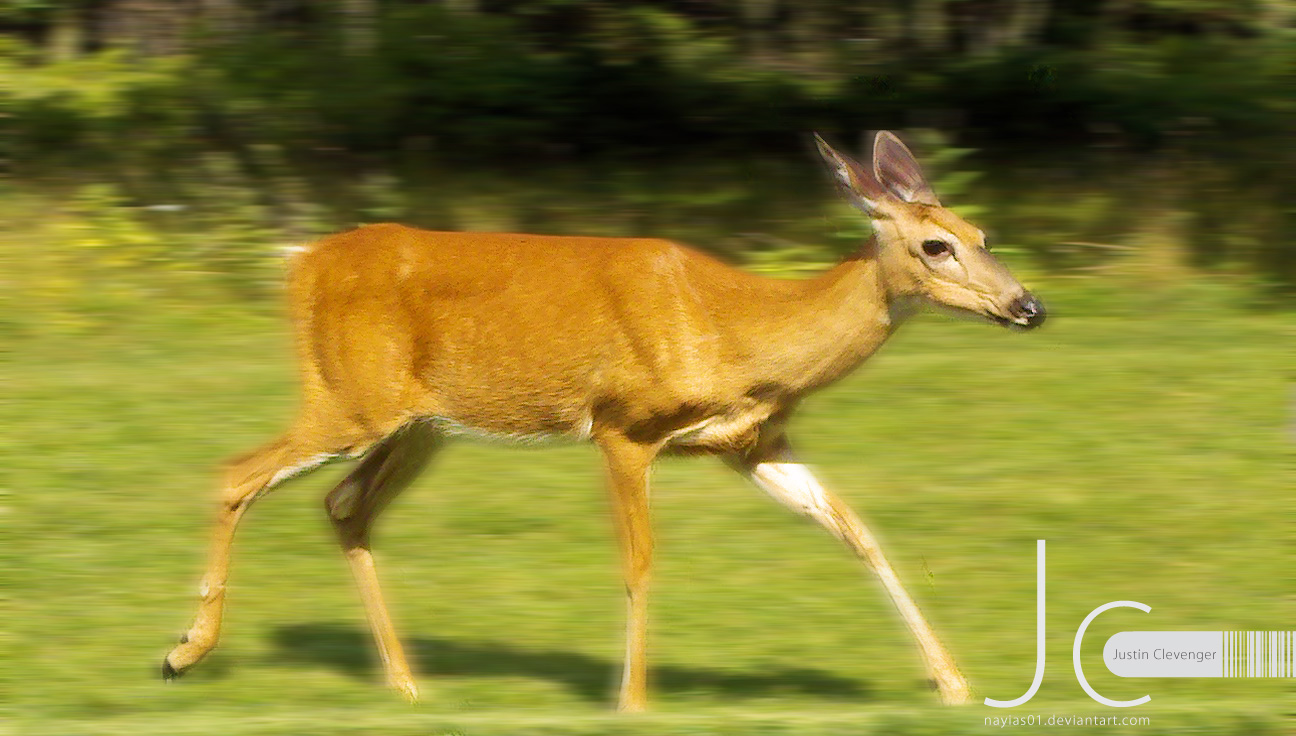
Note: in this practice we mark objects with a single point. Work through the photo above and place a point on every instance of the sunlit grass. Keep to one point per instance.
(1151, 451)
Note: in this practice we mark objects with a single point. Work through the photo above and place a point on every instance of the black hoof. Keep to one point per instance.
(169, 673)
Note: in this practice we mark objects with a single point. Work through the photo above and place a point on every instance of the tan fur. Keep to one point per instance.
(644, 346)
(533, 335)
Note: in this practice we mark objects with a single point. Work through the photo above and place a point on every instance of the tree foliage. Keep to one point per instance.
(583, 74)
(160, 85)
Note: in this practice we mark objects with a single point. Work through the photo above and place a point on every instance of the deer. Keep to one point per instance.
(409, 338)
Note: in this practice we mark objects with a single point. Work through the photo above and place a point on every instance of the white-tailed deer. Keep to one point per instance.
(408, 337)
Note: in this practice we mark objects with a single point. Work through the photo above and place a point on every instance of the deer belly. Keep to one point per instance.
(518, 436)
(525, 433)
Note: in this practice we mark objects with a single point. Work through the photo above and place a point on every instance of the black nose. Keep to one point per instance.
(1029, 308)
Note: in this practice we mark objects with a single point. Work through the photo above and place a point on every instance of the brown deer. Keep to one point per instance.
(409, 337)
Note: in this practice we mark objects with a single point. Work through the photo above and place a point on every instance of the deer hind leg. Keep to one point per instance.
(627, 477)
(777, 472)
(352, 507)
(246, 478)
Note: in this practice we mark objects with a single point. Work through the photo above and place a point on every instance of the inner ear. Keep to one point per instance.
(854, 180)
(897, 171)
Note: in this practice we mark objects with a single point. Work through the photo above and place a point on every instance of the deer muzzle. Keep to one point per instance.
(1027, 312)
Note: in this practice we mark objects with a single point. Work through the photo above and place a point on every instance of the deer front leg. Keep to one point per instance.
(777, 472)
(627, 478)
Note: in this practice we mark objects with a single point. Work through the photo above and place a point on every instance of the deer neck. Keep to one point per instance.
(828, 325)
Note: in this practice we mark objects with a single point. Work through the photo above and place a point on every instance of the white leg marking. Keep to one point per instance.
(629, 646)
(292, 470)
(793, 485)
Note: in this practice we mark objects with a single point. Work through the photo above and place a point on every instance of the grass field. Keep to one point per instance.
(1151, 447)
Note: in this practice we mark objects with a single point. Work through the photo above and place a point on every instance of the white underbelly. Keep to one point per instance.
(450, 427)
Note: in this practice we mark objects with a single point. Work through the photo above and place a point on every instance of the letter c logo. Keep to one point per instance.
(1075, 654)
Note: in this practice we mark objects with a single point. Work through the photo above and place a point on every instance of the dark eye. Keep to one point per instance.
(935, 248)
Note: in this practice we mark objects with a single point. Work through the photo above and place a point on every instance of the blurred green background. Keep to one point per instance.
(1133, 160)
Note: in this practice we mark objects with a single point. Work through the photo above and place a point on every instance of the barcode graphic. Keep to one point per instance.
(1259, 654)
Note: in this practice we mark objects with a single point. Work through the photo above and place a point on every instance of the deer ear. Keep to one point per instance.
(855, 181)
(896, 170)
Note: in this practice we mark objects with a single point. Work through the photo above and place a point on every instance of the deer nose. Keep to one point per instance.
(1027, 307)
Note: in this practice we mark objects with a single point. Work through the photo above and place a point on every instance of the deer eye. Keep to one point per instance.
(935, 248)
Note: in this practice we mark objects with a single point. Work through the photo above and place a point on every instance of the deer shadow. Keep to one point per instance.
(351, 650)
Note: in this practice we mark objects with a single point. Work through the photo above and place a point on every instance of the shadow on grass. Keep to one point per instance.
(351, 650)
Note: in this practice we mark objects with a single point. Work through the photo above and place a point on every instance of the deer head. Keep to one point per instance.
(925, 251)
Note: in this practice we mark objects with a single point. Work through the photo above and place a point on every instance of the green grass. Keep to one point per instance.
(1152, 451)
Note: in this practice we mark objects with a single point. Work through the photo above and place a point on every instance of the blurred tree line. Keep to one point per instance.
(482, 76)
(1184, 108)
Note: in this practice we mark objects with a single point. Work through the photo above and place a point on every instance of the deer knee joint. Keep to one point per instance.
(341, 503)
(638, 573)
(232, 504)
